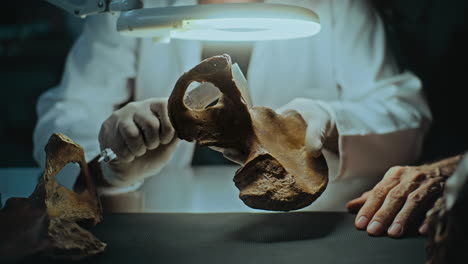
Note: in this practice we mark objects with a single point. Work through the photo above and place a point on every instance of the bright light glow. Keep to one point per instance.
(245, 29)
(221, 22)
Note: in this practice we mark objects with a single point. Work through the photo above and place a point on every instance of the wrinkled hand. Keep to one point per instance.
(142, 137)
(403, 196)
(321, 129)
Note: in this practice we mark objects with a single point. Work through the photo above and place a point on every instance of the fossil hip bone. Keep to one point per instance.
(49, 221)
(278, 173)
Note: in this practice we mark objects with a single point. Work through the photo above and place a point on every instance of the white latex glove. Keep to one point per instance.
(142, 137)
(321, 128)
(320, 123)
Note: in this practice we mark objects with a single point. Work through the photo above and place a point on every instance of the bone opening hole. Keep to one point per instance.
(201, 95)
(68, 175)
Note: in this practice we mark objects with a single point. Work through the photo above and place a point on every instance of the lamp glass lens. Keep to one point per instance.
(245, 29)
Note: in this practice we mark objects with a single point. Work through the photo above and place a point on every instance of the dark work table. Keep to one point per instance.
(191, 235)
(301, 237)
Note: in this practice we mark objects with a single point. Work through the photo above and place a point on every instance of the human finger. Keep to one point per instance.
(109, 137)
(167, 132)
(370, 207)
(416, 205)
(149, 126)
(314, 137)
(424, 228)
(377, 197)
(131, 136)
(354, 205)
(392, 205)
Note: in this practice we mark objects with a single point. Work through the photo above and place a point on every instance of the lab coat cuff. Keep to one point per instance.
(366, 154)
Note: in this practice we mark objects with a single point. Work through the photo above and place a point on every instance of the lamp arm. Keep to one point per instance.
(83, 8)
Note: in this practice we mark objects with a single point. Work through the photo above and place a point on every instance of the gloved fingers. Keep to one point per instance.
(354, 205)
(127, 173)
(109, 137)
(314, 144)
(131, 136)
(120, 148)
(160, 154)
(315, 136)
(149, 126)
(319, 123)
(300, 105)
(291, 105)
(307, 108)
(166, 131)
(285, 108)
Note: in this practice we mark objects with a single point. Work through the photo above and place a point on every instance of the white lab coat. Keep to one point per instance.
(381, 114)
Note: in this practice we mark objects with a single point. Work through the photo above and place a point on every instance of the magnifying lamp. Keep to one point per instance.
(221, 22)
(217, 22)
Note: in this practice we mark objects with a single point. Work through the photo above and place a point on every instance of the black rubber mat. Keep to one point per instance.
(302, 237)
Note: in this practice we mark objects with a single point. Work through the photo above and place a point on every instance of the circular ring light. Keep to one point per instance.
(221, 22)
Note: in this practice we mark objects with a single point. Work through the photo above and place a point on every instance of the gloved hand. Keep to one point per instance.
(142, 137)
(321, 129)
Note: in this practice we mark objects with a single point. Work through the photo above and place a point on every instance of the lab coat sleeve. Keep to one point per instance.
(381, 115)
(95, 80)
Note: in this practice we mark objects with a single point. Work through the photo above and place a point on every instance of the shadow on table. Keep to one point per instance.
(300, 237)
(271, 228)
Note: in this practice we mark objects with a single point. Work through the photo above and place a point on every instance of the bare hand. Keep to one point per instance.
(404, 195)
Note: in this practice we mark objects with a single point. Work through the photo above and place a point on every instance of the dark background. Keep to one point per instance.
(34, 40)
(427, 37)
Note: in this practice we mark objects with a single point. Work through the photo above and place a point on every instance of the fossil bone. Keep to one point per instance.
(50, 221)
(278, 173)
